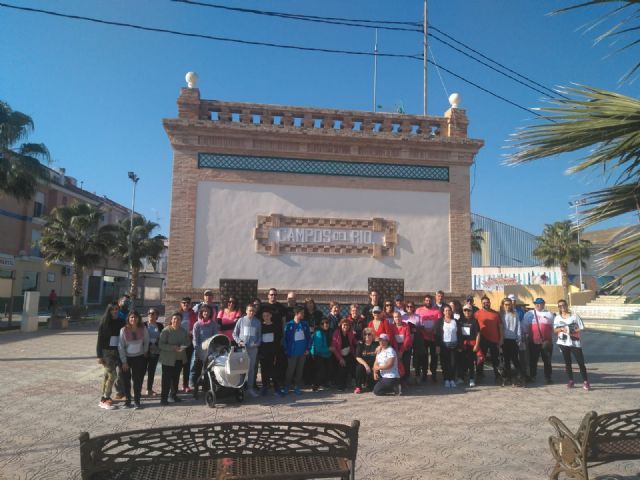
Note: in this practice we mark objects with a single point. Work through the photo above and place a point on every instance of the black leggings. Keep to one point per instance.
(152, 363)
(170, 377)
(491, 347)
(448, 360)
(577, 352)
(510, 352)
(267, 368)
(135, 372)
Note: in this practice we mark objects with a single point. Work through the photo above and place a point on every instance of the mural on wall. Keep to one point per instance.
(499, 280)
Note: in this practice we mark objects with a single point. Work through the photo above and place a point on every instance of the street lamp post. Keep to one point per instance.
(578, 203)
(134, 178)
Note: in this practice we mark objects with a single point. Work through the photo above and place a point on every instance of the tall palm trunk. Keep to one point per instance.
(76, 280)
(564, 274)
(133, 286)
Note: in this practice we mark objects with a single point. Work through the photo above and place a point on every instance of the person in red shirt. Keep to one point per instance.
(490, 337)
(379, 324)
(430, 315)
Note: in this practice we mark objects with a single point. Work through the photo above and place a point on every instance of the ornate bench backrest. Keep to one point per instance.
(615, 434)
(171, 444)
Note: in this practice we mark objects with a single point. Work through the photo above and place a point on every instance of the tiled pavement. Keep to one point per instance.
(50, 385)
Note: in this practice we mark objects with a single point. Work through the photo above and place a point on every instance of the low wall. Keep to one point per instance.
(526, 294)
(581, 298)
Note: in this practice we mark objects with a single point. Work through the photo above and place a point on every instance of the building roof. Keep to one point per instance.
(604, 236)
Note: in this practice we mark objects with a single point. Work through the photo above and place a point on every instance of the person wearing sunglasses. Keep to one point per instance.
(344, 343)
(365, 358)
(228, 316)
(154, 328)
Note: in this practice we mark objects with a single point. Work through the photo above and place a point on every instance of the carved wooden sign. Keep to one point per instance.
(279, 234)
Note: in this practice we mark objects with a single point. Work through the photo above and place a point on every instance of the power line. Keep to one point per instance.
(265, 44)
(299, 16)
(207, 37)
(553, 92)
(351, 22)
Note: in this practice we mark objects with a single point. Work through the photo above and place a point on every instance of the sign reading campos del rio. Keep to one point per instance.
(279, 234)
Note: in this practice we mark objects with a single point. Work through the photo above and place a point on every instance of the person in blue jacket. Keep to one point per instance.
(321, 350)
(297, 342)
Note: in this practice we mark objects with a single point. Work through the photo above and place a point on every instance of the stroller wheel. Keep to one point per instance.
(210, 398)
(240, 395)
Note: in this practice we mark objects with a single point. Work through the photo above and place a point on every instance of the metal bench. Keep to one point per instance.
(600, 439)
(244, 450)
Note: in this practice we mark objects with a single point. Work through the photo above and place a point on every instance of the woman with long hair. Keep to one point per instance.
(107, 352)
(155, 329)
(567, 326)
(511, 338)
(228, 316)
(173, 344)
(133, 348)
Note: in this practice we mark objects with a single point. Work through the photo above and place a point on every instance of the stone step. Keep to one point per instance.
(608, 311)
(609, 299)
(622, 329)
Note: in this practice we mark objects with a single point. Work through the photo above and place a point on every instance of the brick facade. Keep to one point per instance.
(207, 126)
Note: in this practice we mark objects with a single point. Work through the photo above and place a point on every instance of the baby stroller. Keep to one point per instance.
(224, 369)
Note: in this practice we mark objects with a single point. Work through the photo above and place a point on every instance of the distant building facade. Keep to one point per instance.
(22, 267)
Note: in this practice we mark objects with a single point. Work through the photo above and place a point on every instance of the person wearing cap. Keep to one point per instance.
(539, 324)
(490, 337)
(207, 299)
(469, 345)
(344, 352)
(430, 315)
(385, 368)
(379, 324)
(398, 304)
(469, 301)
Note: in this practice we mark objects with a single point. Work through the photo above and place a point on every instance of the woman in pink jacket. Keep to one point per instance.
(344, 351)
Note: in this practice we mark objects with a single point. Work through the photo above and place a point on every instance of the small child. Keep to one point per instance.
(248, 333)
(297, 341)
(321, 350)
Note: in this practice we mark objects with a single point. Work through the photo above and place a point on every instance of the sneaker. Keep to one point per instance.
(107, 404)
(187, 389)
(297, 391)
(570, 384)
(151, 393)
(586, 386)
(171, 400)
(283, 392)
(164, 403)
(358, 390)
(472, 383)
(128, 404)
(119, 396)
(137, 406)
(397, 390)
(253, 393)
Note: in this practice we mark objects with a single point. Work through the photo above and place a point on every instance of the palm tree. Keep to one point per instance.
(136, 245)
(604, 127)
(558, 245)
(73, 234)
(20, 166)
(477, 238)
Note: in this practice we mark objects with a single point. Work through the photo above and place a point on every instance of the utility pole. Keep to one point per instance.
(424, 60)
(134, 178)
(375, 72)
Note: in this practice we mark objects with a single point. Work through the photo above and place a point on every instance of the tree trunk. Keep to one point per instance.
(76, 286)
(564, 273)
(133, 286)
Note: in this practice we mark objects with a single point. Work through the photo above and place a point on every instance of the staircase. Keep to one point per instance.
(609, 307)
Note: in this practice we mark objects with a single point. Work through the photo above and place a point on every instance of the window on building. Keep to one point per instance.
(35, 243)
(30, 281)
(38, 205)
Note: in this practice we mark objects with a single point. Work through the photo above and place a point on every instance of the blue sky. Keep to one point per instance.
(98, 93)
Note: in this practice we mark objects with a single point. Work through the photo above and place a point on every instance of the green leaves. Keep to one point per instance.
(20, 167)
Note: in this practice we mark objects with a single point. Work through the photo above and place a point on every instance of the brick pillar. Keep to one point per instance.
(457, 122)
(189, 103)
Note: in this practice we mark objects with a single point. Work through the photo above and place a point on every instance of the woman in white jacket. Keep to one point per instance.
(133, 349)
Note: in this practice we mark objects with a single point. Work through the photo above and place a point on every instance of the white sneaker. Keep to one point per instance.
(253, 393)
(447, 384)
(472, 383)
(453, 384)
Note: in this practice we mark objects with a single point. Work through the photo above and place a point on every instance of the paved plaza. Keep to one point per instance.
(50, 393)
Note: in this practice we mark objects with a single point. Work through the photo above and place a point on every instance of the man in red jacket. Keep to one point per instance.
(490, 337)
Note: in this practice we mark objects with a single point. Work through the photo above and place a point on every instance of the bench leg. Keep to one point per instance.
(577, 473)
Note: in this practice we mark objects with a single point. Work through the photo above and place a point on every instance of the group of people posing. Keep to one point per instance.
(375, 348)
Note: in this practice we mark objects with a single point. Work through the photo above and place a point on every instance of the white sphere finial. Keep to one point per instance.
(455, 100)
(192, 79)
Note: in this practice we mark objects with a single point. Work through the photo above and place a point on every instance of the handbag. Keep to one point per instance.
(547, 346)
